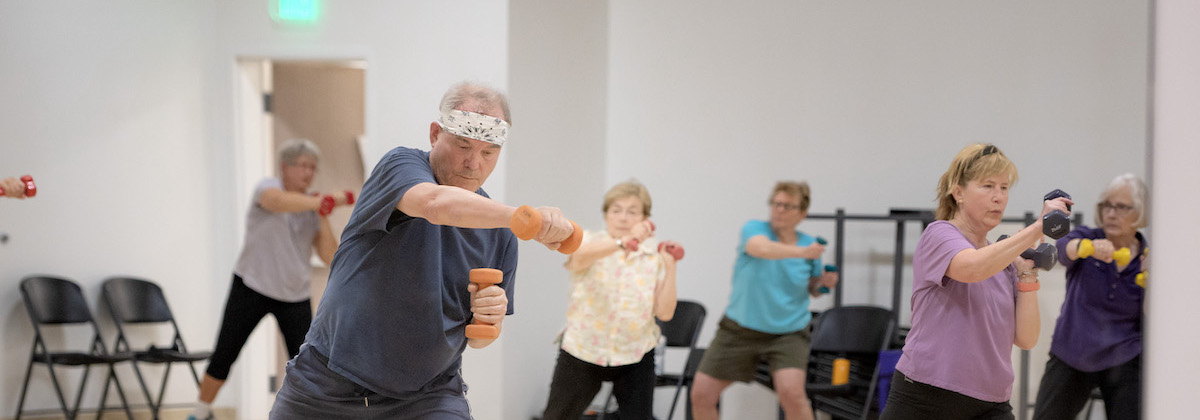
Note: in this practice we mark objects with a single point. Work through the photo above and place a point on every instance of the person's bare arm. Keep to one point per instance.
(665, 294)
(325, 243)
(759, 246)
(276, 200)
(452, 206)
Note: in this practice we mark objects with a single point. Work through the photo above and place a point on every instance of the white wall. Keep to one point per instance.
(710, 102)
(1172, 369)
(557, 76)
(106, 105)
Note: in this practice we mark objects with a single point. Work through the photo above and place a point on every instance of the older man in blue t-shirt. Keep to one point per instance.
(388, 336)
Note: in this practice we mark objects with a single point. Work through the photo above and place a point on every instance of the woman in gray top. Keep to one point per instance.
(284, 226)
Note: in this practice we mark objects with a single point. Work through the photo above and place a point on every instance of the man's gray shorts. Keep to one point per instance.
(312, 391)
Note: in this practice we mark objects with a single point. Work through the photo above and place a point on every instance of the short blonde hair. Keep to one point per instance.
(1137, 190)
(973, 163)
(630, 188)
(798, 189)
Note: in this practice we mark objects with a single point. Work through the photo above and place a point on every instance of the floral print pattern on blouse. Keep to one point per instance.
(610, 315)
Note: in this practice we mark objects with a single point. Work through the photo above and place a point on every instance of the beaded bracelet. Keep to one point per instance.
(1027, 287)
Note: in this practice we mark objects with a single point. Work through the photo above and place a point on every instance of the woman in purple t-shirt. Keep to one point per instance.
(972, 300)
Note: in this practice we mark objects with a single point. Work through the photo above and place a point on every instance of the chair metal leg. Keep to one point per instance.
(62, 400)
(162, 389)
(195, 375)
(24, 387)
(112, 374)
(87, 369)
(604, 411)
(674, 401)
(145, 390)
(104, 394)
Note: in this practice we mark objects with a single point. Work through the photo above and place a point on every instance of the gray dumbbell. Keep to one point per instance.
(1044, 257)
(1056, 224)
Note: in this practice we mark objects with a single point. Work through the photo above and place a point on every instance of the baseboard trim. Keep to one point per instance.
(179, 412)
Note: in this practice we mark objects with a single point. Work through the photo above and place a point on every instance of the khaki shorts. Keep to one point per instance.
(736, 350)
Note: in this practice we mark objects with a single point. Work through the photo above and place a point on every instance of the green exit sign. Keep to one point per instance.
(296, 10)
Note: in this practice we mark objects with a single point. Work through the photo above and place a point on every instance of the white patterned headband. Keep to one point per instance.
(475, 126)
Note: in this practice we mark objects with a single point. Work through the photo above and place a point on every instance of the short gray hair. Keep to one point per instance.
(294, 148)
(460, 93)
(1137, 190)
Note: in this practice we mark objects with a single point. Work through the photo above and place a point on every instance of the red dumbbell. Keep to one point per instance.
(676, 250)
(484, 277)
(30, 187)
(527, 221)
(327, 205)
(632, 244)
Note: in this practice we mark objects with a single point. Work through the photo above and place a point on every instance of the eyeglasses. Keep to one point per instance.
(1116, 208)
(304, 166)
(783, 206)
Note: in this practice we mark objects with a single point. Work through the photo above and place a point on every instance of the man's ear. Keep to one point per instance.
(434, 130)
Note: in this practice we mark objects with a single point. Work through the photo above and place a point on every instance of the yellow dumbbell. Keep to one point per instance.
(1086, 249)
(1141, 277)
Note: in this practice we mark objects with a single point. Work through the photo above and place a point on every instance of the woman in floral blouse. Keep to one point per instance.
(620, 282)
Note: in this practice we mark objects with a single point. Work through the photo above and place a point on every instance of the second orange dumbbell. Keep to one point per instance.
(484, 277)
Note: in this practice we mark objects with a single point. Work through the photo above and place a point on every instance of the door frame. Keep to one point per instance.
(253, 158)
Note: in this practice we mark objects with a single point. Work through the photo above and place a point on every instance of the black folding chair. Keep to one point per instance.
(58, 301)
(138, 301)
(856, 333)
(681, 332)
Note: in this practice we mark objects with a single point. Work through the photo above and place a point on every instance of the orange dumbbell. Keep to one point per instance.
(484, 277)
(1087, 249)
(30, 187)
(526, 222)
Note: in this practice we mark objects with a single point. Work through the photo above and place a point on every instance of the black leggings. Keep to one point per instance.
(243, 310)
(911, 400)
(576, 382)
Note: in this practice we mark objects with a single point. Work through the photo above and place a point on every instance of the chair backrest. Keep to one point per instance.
(134, 300)
(684, 327)
(54, 300)
(852, 329)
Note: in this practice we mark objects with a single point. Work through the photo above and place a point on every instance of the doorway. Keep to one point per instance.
(277, 100)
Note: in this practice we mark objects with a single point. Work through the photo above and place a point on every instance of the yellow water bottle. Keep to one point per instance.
(841, 371)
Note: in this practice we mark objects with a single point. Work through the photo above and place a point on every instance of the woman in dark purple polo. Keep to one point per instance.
(1098, 339)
